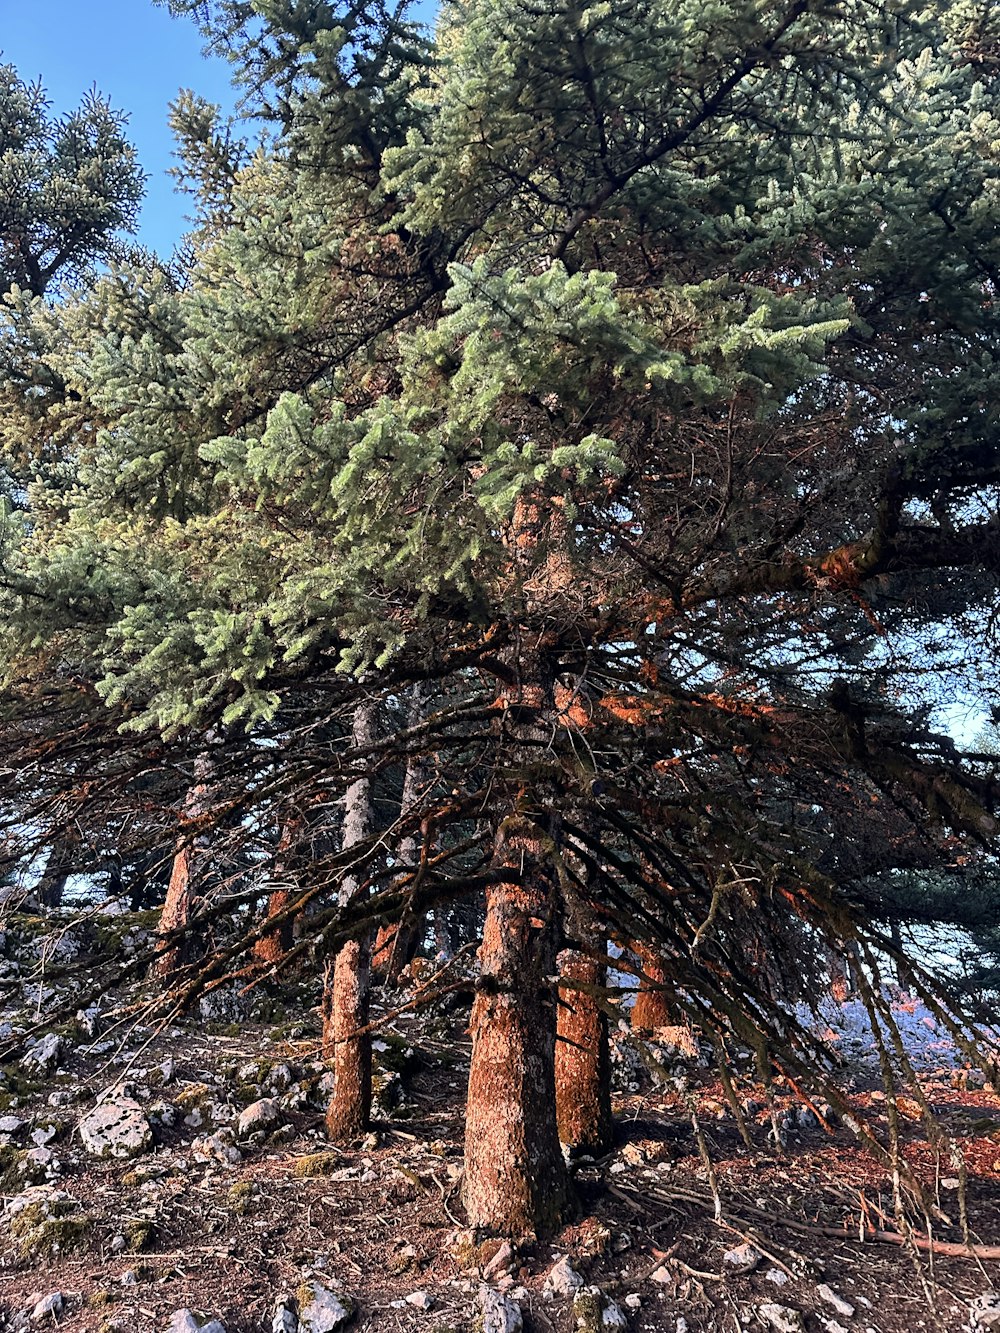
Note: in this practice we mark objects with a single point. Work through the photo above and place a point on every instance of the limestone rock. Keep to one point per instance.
(116, 1128)
(48, 1307)
(182, 1321)
(781, 1318)
(284, 1319)
(42, 1053)
(593, 1312)
(842, 1307)
(985, 1310)
(741, 1259)
(562, 1280)
(420, 1300)
(322, 1310)
(259, 1115)
(500, 1314)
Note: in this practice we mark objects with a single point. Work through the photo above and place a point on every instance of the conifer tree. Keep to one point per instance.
(609, 366)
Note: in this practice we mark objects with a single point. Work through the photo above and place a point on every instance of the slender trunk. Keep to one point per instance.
(58, 868)
(272, 947)
(396, 943)
(345, 1000)
(515, 1178)
(652, 1007)
(583, 1062)
(175, 915)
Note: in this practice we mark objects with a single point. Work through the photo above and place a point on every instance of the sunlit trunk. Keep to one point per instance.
(345, 1000)
(515, 1178)
(273, 946)
(583, 1062)
(178, 905)
(652, 1007)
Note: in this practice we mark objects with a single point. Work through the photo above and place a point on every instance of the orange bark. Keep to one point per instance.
(583, 1064)
(652, 1008)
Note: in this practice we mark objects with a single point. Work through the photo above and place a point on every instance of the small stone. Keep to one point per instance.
(116, 1128)
(985, 1310)
(633, 1301)
(833, 1325)
(284, 1320)
(781, 1318)
(838, 1303)
(500, 1313)
(741, 1259)
(213, 1326)
(776, 1276)
(420, 1300)
(501, 1261)
(48, 1307)
(661, 1275)
(950, 1183)
(182, 1321)
(561, 1281)
(259, 1115)
(41, 1053)
(324, 1311)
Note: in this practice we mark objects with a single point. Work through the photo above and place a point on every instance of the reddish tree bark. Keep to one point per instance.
(273, 946)
(345, 998)
(652, 1008)
(516, 1182)
(175, 915)
(583, 1061)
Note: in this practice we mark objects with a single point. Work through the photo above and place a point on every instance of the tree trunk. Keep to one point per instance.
(516, 1182)
(396, 944)
(59, 867)
(273, 946)
(345, 999)
(583, 1061)
(175, 914)
(652, 1007)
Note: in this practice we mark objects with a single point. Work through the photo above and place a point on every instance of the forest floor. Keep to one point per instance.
(225, 1221)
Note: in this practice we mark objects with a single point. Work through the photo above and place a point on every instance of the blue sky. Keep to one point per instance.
(135, 54)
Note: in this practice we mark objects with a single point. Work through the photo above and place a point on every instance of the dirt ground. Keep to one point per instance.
(224, 1224)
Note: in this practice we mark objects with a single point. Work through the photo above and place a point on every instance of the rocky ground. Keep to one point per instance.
(176, 1177)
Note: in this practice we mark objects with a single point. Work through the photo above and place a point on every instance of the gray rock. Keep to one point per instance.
(741, 1259)
(985, 1310)
(48, 1307)
(325, 1311)
(781, 1318)
(593, 1312)
(259, 1115)
(842, 1307)
(116, 1128)
(500, 1314)
(561, 1281)
(182, 1321)
(420, 1300)
(42, 1053)
(284, 1319)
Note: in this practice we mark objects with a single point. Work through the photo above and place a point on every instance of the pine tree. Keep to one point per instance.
(610, 367)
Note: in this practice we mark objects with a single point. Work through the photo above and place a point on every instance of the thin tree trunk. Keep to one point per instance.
(515, 1177)
(396, 944)
(346, 989)
(273, 946)
(175, 914)
(59, 867)
(583, 1061)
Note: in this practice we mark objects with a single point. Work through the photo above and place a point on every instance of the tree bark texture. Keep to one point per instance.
(175, 914)
(583, 1060)
(652, 1008)
(345, 999)
(273, 946)
(516, 1182)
